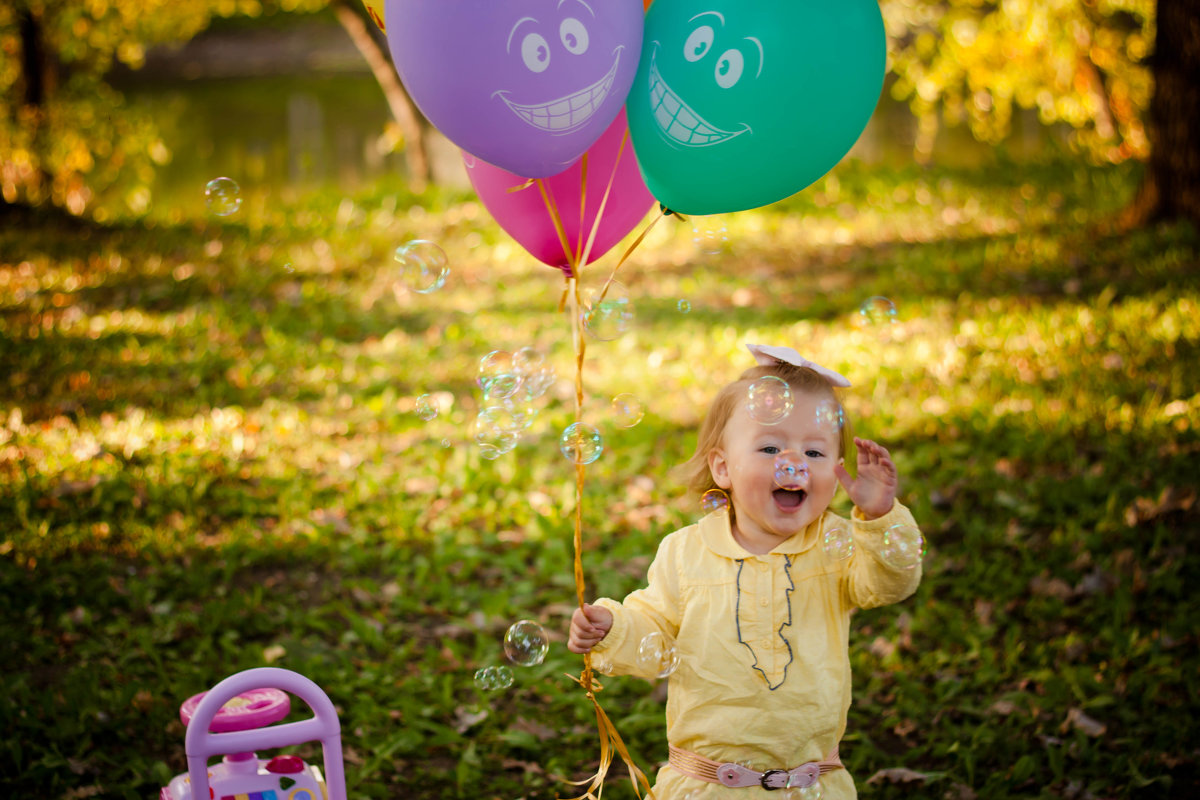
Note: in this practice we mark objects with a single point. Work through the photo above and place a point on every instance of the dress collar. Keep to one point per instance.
(718, 537)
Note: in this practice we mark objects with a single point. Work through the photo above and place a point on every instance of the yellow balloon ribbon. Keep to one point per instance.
(610, 739)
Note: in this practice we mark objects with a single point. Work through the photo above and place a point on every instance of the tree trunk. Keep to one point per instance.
(415, 152)
(1171, 186)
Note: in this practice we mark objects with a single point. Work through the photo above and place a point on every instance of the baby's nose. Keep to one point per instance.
(791, 470)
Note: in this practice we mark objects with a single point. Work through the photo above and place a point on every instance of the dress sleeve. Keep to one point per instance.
(871, 582)
(654, 608)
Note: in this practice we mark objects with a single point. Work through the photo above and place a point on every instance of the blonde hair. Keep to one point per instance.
(695, 471)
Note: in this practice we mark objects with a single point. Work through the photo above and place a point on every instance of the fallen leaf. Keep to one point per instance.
(959, 791)
(274, 653)
(1003, 707)
(898, 775)
(465, 719)
(1080, 721)
(536, 729)
(1045, 586)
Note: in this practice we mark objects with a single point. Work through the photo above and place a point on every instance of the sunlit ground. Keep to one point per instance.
(207, 396)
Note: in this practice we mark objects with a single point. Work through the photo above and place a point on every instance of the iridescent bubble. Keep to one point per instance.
(581, 443)
(606, 317)
(498, 377)
(427, 408)
(627, 410)
(601, 664)
(810, 792)
(684, 306)
(713, 500)
(528, 360)
(222, 196)
(710, 234)
(657, 654)
(769, 400)
(493, 679)
(877, 311)
(522, 412)
(829, 415)
(535, 376)
(423, 266)
(494, 433)
(791, 470)
(837, 540)
(526, 643)
(903, 546)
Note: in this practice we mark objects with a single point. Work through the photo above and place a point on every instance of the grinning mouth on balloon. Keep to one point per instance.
(678, 121)
(566, 113)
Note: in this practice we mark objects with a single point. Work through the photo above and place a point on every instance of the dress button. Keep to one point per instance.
(764, 602)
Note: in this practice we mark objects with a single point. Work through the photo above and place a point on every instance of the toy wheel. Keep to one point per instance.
(248, 710)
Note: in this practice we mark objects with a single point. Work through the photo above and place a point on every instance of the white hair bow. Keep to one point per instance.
(768, 354)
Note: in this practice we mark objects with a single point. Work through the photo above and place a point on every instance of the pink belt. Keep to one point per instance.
(737, 776)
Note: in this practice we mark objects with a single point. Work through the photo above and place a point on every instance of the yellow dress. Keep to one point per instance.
(763, 642)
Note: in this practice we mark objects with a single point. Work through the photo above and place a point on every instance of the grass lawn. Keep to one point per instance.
(210, 460)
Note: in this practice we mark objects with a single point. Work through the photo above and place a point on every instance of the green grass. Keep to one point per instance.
(210, 460)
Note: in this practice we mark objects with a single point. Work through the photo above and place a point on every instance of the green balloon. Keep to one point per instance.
(739, 103)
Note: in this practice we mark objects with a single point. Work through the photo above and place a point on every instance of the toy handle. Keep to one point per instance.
(200, 744)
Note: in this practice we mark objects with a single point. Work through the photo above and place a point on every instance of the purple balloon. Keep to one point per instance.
(611, 167)
(526, 85)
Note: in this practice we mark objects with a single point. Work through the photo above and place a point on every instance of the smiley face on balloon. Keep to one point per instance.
(526, 85)
(736, 105)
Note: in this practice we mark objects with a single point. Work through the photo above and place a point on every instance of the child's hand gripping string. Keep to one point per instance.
(589, 625)
(874, 490)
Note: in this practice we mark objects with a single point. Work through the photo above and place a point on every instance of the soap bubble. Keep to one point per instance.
(427, 408)
(528, 360)
(601, 664)
(627, 410)
(493, 679)
(605, 318)
(684, 306)
(811, 792)
(714, 499)
(903, 546)
(495, 432)
(657, 654)
(526, 643)
(581, 443)
(791, 470)
(829, 415)
(877, 311)
(498, 376)
(521, 412)
(769, 400)
(837, 541)
(423, 266)
(222, 196)
(709, 234)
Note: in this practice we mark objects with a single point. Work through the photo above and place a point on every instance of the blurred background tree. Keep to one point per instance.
(67, 137)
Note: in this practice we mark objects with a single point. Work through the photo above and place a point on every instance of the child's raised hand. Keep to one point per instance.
(874, 490)
(589, 625)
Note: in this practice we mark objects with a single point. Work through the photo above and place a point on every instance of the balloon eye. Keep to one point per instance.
(698, 43)
(535, 52)
(729, 68)
(574, 36)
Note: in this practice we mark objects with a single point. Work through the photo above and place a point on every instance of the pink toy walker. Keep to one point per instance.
(228, 720)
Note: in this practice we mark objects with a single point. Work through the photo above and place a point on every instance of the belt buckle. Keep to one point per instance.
(771, 773)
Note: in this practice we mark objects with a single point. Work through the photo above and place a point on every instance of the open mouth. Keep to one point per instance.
(678, 121)
(789, 499)
(566, 113)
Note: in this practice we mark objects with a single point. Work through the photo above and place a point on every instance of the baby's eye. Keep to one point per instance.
(770, 450)
(814, 454)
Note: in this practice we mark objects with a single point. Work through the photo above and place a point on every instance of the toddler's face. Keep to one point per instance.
(765, 514)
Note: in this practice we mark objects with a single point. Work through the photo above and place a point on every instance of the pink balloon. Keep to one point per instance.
(523, 213)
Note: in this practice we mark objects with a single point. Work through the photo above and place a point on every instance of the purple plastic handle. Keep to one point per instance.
(323, 726)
